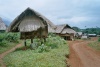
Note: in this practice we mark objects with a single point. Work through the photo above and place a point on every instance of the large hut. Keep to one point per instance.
(31, 24)
(65, 31)
(2, 25)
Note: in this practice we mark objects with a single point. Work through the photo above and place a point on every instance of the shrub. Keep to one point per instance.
(8, 37)
(42, 48)
(12, 37)
(53, 41)
(99, 39)
(2, 39)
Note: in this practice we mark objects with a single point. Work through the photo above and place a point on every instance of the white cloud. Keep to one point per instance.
(74, 19)
(73, 12)
(78, 19)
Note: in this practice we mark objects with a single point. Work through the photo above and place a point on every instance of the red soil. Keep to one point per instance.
(83, 56)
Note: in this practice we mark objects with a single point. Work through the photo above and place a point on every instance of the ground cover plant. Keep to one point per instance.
(95, 45)
(49, 54)
(8, 40)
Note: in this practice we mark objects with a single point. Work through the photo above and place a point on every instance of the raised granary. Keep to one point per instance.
(31, 24)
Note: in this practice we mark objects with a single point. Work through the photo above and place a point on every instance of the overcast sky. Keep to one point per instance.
(80, 13)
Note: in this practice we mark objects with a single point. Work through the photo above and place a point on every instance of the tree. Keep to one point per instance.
(76, 29)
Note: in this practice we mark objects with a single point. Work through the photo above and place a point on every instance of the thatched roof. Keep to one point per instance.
(2, 25)
(65, 28)
(51, 30)
(29, 21)
(80, 33)
(68, 30)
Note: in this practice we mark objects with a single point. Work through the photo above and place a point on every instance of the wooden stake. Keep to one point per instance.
(31, 41)
(25, 42)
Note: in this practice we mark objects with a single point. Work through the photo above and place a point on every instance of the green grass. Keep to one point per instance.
(0, 65)
(95, 45)
(6, 47)
(8, 40)
(30, 58)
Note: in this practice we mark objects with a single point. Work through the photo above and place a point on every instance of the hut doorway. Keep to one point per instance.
(66, 37)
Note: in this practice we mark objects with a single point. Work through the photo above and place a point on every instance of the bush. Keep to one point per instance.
(42, 48)
(99, 39)
(8, 37)
(53, 41)
(12, 37)
(2, 39)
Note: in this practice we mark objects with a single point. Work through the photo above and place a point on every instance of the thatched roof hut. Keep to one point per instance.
(2, 25)
(64, 28)
(31, 24)
(65, 31)
(79, 35)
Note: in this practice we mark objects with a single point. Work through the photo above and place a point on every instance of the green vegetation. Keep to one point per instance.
(88, 30)
(95, 45)
(92, 31)
(99, 39)
(8, 40)
(50, 54)
(76, 29)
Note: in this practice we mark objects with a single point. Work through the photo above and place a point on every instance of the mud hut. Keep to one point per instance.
(65, 31)
(2, 25)
(31, 24)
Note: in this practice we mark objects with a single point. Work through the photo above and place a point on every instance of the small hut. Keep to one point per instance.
(31, 24)
(2, 25)
(65, 31)
(79, 35)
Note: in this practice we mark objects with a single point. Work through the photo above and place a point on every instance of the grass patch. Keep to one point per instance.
(8, 40)
(30, 58)
(95, 45)
(51, 53)
(7, 47)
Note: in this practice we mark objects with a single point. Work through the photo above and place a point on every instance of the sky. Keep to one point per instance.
(80, 13)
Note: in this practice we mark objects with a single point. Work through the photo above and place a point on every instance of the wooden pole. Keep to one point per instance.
(44, 39)
(31, 41)
(25, 42)
(31, 44)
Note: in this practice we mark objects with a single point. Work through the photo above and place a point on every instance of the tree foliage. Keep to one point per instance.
(76, 29)
(92, 31)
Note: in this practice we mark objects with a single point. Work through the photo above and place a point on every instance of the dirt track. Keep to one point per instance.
(83, 56)
(5, 53)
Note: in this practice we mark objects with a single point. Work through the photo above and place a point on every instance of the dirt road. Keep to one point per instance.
(83, 56)
(5, 53)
